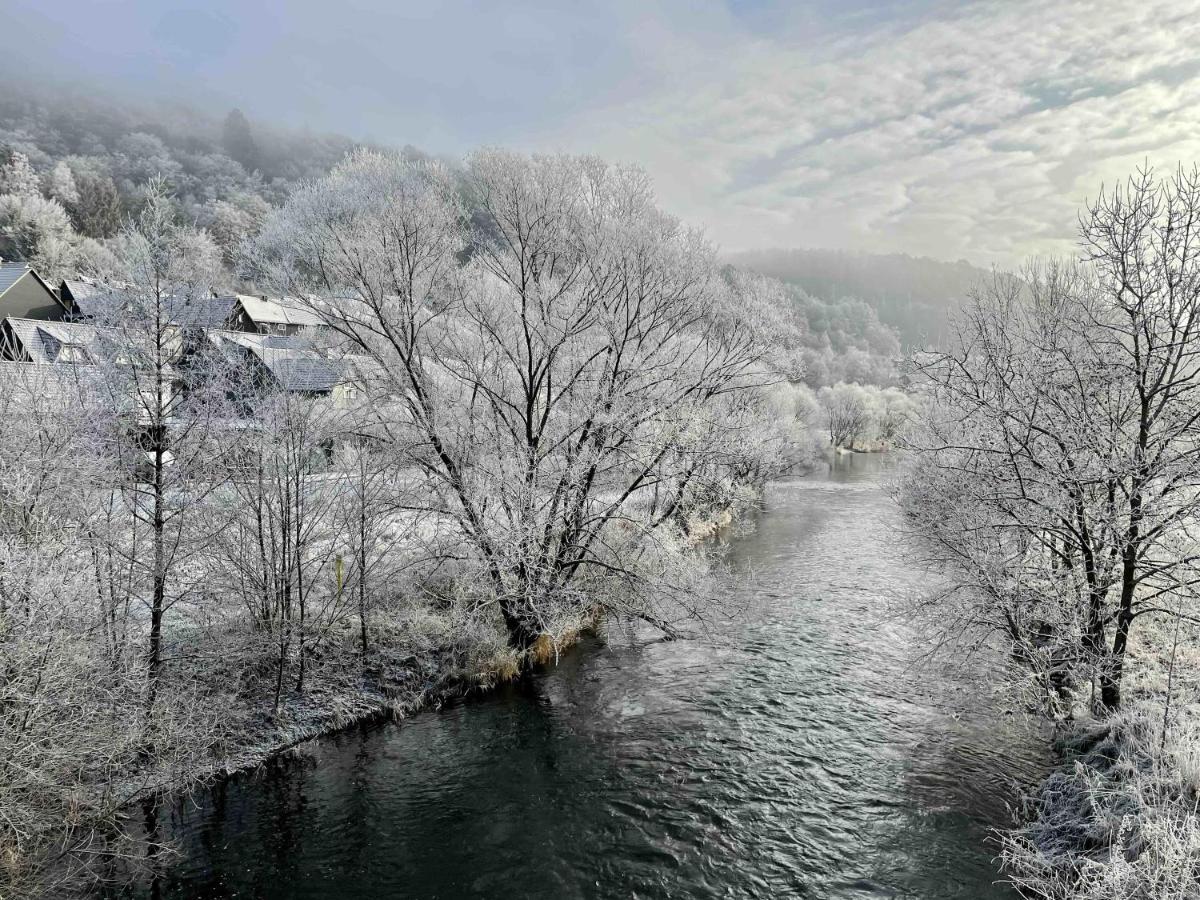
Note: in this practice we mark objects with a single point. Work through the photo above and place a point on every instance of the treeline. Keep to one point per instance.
(79, 167)
(912, 296)
(545, 398)
(94, 159)
(1055, 479)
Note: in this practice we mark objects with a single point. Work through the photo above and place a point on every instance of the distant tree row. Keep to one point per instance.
(85, 165)
(912, 295)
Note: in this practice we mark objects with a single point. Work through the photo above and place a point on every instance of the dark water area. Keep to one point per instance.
(797, 751)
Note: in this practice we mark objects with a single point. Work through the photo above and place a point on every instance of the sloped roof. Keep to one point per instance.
(100, 300)
(47, 385)
(93, 300)
(279, 311)
(307, 374)
(292, 361)
(201, 312)
(11, 273)
(44, 341)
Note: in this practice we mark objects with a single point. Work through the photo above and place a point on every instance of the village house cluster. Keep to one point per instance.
(277, 339)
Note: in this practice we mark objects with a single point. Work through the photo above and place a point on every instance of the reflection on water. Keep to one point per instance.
(796, 752)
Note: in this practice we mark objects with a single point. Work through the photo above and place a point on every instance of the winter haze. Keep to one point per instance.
(599, 450)
(968, 131)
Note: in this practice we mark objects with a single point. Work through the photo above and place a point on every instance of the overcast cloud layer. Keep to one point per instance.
(950, 130)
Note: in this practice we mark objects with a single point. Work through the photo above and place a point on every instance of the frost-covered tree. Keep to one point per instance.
(545, 360)
(161, 436)
(18, 177)
(38, 230)
(231, 222)
(277, 537)
(60, 185)
(847, 413)
(893, 410)
(97, 209)
(238, 140)
(1057, 451)
(141, 157)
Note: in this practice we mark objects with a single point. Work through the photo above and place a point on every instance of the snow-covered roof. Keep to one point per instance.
(54, 342)
(11, 273)
(94, 300)
(60, 385)
(293, 362)
(91, 299)
(201, 312)
(278, 311)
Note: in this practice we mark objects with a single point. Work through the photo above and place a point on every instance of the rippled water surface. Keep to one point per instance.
(797, 752)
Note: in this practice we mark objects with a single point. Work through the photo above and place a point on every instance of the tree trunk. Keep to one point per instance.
(158, 600)
(521, 634)
(362, 569)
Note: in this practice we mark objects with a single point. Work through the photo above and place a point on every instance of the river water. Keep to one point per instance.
(798, 751)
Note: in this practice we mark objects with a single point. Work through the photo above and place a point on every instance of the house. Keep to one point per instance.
(47, 342)
(282, 362)
(23, 293)
(84, 298)
(88, 300)
(282, 315)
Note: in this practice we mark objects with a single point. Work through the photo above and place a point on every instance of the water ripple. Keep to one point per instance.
(800, 753)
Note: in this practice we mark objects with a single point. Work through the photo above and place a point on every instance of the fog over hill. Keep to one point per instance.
(911, 294)
(93, 155)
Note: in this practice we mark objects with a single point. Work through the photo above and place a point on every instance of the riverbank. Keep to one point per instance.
(422, 654)
(433, 644)
(1120, 816)
(760, 756)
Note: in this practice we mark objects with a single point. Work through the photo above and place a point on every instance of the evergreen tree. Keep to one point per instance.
(238, 141)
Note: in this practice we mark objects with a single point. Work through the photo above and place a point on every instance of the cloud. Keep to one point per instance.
(976, 132)
(926, 126)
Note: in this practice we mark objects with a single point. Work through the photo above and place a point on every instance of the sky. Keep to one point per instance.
(953, 130)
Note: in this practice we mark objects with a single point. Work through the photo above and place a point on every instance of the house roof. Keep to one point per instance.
(94, 301)
(45, 385)
(306, 374)
(11, 273)
(278, 311)
(44, 341)
(292, 361)
(201, 312)
(91, 299)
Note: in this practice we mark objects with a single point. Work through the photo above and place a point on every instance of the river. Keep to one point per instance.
(799, 750)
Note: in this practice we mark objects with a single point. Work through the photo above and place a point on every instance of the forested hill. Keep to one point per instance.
(94, 154)
(74, 166)
(913, 295)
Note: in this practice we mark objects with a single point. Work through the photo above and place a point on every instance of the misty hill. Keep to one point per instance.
(86, 161)
(912, 295)
(844, 340)
(94, 155)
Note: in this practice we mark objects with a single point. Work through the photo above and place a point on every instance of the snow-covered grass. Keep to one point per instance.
(1121, 819)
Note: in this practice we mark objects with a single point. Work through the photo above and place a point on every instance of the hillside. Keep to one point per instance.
(912, 295)
(92, 155)
(83, 162)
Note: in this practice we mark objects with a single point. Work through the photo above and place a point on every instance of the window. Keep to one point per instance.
(73, 353)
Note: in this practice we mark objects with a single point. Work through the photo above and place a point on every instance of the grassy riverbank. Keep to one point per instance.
(1119, 819)
(219, 716)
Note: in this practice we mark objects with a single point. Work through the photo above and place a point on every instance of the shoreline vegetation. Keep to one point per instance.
(520, 412)
(426, 660)
(1053, 476)
(418, 673)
